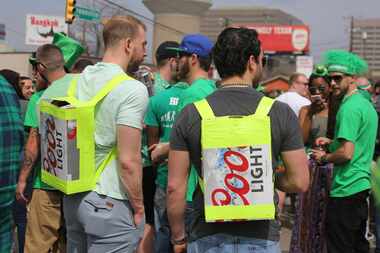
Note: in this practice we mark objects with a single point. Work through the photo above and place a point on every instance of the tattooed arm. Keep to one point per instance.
(31, 151)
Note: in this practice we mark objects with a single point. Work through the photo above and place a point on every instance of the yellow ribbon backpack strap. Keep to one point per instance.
(109, 87)
(205, 112)
(72, 88)
(204, 109)
(99, 96)
(264, 106)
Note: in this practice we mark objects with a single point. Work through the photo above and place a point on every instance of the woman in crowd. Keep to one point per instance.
(308, 230)
(24, 89)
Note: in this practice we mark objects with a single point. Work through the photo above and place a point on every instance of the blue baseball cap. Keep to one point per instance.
(195, 44)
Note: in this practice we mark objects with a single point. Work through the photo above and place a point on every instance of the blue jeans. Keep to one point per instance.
(377, 219)
(163, 234)
(223, 243)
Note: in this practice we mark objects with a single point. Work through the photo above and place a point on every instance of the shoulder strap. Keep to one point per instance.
(73, 87)
(264, 106)
(109, 87)
(204, 109)
(110, 156)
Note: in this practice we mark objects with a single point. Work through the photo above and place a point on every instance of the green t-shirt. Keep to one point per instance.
(198, 90)
(146, 161)
(161, 113)
(31, 120)
(160, 84)
(356, 122)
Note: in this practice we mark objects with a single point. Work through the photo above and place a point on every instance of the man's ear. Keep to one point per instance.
(193, 59)
(128, 45)
(252, 64)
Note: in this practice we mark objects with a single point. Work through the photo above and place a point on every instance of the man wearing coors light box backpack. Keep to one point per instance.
(233, 138)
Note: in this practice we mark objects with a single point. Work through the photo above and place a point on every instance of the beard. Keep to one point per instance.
(174, 74)
(183, 71)
(134, 64)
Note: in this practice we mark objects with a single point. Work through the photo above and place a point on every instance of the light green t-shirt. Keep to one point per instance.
(356, 122)
(124, 105)
(161, 113)
(198, 90)
(31, 120)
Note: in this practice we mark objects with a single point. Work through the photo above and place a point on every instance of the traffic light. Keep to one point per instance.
(70, 11)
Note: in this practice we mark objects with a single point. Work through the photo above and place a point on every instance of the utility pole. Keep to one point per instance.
(351, 32)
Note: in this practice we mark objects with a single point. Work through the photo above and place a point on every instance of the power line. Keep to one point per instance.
(144, 17)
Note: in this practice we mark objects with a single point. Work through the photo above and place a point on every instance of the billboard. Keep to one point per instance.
(2, 32)
(40, 29)
(283, 38)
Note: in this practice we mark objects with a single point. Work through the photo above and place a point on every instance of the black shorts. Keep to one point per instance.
(149, 189)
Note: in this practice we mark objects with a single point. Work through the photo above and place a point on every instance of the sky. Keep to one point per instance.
(328, 19)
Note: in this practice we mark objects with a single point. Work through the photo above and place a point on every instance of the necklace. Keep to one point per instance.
(236, 85)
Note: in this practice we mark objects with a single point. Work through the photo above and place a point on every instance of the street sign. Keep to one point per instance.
(87, 14)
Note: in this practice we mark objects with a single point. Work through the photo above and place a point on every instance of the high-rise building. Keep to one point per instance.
(365, 41)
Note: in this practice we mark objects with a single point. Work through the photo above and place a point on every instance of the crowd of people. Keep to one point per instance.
(185, 163)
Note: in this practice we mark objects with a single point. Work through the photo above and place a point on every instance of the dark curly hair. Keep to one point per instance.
(233, 49)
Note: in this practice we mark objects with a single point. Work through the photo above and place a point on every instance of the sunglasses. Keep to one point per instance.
(337, 78)
(313, 90)
(35, 65)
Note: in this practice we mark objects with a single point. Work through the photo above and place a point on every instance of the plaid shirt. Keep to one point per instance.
(11, 142)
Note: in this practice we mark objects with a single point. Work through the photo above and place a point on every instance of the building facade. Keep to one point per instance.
(365, 41)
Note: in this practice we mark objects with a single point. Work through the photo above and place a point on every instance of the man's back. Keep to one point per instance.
(186, 136)
(161, 113)
(122, 105)
(294, 100)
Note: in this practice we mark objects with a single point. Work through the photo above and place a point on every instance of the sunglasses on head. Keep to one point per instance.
(313, 90)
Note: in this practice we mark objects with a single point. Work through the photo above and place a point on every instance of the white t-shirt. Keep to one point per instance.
(294, 100)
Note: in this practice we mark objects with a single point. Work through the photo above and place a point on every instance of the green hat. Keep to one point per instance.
(33, 59)
(344, 62)
(71, 49)
(320, 70)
